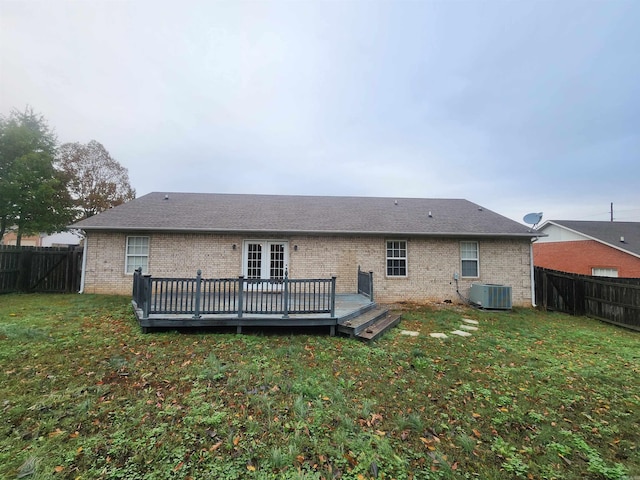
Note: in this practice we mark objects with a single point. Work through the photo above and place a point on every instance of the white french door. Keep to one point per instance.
(265, 259)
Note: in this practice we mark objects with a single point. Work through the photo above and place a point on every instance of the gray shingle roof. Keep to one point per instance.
(607, 232)
(208, 212)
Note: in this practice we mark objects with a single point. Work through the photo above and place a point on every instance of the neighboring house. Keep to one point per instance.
(608, 249)
(418, 249)
(60, 239)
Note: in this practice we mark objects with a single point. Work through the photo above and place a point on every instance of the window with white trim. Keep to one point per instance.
(396, 258)
(469, 259)
(604, 272)
(137, 254)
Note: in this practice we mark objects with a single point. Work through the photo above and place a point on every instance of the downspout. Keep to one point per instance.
(533, 277)
(84, 263)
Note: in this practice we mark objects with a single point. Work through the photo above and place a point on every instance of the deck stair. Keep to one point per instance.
(369, 323)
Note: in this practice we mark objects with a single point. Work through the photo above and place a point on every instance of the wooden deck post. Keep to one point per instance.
(196, 313)
(240, 295)
(146, 295)
(285, 292)
(333, 296)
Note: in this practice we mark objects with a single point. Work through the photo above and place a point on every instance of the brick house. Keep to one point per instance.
(60, 239)
(418, 249)
(610, 249)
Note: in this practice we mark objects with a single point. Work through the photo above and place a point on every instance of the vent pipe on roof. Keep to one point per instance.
(622, 239)
(166, 197)
(430, 216)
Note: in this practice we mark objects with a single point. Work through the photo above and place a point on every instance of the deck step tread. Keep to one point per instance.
(355, 325)
(378, 328)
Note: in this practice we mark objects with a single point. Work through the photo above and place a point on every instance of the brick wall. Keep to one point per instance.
(431, 263)
(581, 256)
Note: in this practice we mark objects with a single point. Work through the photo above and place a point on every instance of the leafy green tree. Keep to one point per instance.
(33, 194)
(96, 181)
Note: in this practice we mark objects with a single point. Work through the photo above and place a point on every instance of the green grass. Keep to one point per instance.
(83, 394)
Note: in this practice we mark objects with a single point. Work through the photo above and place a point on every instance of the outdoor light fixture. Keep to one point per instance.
(233, 246)
(295, 247)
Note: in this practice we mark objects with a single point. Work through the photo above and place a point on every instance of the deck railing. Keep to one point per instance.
(365, 283)
(233, 296)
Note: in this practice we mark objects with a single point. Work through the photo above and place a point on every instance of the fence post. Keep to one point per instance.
(196, 313)
(285, 292)
(333, 296)
(240, 295)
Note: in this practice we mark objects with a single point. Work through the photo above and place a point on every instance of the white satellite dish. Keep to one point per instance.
(533, 219)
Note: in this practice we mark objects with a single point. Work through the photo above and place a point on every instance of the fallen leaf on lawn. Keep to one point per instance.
(251, 468)
(236, 441)
(215, 447)
(59, 469)
(476, 415)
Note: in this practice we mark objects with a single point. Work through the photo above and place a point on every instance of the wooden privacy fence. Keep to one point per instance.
(613, 300)
(233, 296)
(40, 269)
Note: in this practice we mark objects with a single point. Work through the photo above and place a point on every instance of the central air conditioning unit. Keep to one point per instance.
(490, 296)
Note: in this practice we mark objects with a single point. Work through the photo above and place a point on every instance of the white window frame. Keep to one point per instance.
(604, 272)
(465, 258)
(403, 245)
(136, 255)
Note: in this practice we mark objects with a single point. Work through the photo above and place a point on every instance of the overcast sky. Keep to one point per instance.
(519, 106)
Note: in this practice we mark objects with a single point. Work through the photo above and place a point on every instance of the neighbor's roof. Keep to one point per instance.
(237, 213)
(608, 233)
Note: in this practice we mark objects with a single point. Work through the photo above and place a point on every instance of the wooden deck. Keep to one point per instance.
(347, 308)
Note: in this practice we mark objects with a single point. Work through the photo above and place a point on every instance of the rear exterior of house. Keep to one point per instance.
(419, 250)
(597, 248)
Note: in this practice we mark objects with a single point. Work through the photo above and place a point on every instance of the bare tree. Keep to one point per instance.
(96, 181)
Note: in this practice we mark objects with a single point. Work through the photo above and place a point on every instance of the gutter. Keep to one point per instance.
(225, 231)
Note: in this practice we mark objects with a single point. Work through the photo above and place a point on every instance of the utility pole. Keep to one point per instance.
(612, 211)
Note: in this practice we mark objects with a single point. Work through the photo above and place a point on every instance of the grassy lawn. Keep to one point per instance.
(530, 395)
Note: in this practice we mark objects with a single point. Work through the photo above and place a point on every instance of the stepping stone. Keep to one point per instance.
(468, 327)
(437, 335)
(468, 320)
(461, 333)
(410, 333)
